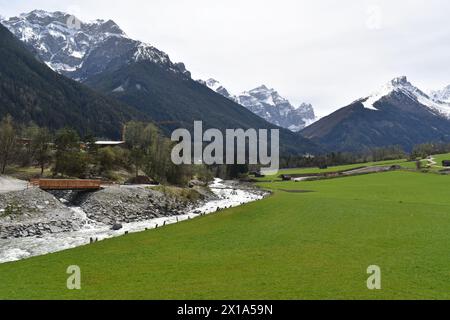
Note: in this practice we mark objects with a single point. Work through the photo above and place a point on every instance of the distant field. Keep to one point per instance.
(403, 163)
(293, 245)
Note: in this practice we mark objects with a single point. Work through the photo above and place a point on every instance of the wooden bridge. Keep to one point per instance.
(66, 184)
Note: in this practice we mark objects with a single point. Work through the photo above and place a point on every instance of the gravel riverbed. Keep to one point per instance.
(134, 209)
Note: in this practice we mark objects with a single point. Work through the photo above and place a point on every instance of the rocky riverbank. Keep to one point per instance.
(33, 212)
(125, 204)
(222, 195)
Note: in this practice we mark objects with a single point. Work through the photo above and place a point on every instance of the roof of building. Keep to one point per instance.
(109, 143)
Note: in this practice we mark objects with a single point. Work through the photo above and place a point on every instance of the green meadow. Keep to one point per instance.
(403, 163)
(309, 240)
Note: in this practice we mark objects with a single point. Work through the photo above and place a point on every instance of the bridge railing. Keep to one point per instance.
(66, 184)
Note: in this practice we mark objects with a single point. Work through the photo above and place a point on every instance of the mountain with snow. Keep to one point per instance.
(269, 105)
(436, 103)
(31, 92)
(82, 49)
(217, 87)
(136, 80)
(100, 55)
(441, 95)
(398, 113)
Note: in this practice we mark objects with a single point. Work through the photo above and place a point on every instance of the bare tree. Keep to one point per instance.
(7, 142)
(41, 147)
(139, 137)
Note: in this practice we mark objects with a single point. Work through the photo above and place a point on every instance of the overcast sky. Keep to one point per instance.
(326, 52)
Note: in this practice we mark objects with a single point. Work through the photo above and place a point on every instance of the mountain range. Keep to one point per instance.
(82, 50)
(87, 49)
(131, 74)
(269, 105)
(32, 92)
(115, 79)
(397, 114)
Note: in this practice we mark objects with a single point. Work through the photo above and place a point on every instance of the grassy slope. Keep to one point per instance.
(291, 246)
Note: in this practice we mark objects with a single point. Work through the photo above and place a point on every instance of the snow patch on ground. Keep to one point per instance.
(8, 184)
(119, 89)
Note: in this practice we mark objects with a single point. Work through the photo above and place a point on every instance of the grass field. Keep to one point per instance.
(402, 162)
(293, 245)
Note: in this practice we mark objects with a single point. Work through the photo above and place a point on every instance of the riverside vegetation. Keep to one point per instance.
(65, 154)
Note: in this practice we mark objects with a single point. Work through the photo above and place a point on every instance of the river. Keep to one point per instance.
(22, 248)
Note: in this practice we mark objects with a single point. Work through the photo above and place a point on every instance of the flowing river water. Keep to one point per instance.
(22, 248)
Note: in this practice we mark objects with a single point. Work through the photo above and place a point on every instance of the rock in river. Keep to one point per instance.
(117, 226)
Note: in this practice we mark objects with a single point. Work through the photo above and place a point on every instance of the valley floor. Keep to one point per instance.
(309, 240)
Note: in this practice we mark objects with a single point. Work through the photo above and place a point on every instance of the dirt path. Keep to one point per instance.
(431, 161)
(8, 184)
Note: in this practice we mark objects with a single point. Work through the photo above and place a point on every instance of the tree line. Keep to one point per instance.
(420, 151)
(145, 151)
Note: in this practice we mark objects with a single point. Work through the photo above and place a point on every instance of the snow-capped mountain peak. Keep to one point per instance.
(262, 89)
(213, 84)
(216, 86)
(81, 49)
(269, 105)
(386, 89)
(441, 95)
(147, 52)
(39, 14)
(402, 85)
(269, 97)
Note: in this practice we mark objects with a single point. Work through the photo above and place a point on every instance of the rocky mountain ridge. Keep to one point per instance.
(270, 105)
